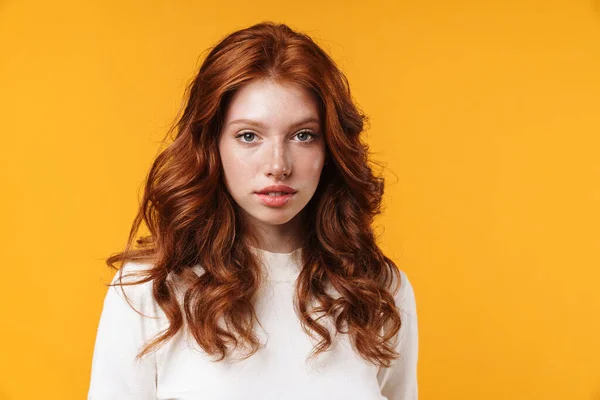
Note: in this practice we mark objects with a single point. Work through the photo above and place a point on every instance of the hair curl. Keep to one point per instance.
(193, 220)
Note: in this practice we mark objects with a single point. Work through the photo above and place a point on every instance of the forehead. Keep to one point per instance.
(269, 101)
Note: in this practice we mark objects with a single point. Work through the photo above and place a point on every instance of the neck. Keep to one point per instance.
(282, 238)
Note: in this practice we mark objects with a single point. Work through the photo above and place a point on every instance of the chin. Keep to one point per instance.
(282, 218)
(274, 216)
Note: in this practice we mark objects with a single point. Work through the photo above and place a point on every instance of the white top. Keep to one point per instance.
(181, 370)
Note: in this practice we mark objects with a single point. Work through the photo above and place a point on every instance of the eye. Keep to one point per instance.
(304, 133)
(307, 132)
(245, 134)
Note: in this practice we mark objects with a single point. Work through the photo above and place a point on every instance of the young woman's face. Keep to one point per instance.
(280, 142)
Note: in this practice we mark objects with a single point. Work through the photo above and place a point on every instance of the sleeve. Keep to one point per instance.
(399, 381)
(115, 373)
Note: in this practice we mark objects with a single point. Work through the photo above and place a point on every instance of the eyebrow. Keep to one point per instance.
(263, 126)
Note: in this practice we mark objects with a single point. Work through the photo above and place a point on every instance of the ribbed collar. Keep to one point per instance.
(280, 267)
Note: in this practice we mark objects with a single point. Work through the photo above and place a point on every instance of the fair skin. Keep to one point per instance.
(281, 150)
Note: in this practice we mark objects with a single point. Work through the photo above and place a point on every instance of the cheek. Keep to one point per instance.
(317, 165)
(237, 165)
(317, 162)
(310, 167)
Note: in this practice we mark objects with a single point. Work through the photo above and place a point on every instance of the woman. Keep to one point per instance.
(261, 277)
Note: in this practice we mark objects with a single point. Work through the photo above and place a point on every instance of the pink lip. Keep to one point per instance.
(277, 188)
(275, 201)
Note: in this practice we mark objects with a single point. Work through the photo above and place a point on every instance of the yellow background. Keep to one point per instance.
(486, 113)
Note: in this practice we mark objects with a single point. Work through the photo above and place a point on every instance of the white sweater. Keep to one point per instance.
(181, 370)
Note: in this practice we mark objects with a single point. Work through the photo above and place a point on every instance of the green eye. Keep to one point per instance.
(304, 132)
(245, 134)
(307, 132)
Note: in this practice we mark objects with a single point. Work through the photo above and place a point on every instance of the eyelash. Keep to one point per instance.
(313, 136)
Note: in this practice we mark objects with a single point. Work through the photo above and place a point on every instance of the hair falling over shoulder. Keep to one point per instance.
(193, 220)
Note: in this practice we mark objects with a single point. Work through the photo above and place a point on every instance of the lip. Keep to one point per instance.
(275, 201)
(276, 188)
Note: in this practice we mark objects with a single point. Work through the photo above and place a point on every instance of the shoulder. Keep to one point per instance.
(405, 297)
(142, 294)
(124, 286)
(132, 271)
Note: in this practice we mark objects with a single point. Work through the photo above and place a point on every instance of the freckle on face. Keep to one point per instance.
(273, 148)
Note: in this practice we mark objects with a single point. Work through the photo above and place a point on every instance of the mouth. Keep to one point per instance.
(277, 190)
(275, 193)
(276, 199)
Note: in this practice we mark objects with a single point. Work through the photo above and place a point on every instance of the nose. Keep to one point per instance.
(278, 162)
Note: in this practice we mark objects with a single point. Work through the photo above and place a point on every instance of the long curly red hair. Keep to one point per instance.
(193, 220)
